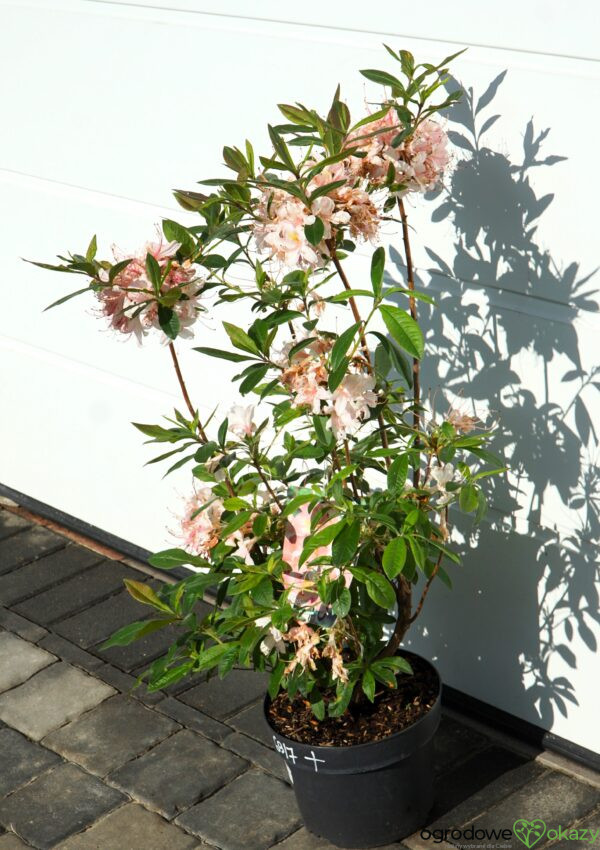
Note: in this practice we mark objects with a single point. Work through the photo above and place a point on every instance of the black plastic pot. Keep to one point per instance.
(368, 794)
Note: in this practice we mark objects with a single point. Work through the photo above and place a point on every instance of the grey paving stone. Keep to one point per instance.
(252, 722)
(471, 777)
(457, 807)
(9, 841)
(254, 752)
(554, 798)
(455, 742)
(177, 773)
(222, 698)
(11, 524)
(21, 760)
(78, 592)
(592, 824)
(142, 651)
(57, 804)
(28, 545)
(20, 660)
(265, 813)
(96, 624)
(117, 730)
(69, 652)
(130, 828)
(44, 573)
(305, 840)
(53, 696)
(20, 626)
(194, 719)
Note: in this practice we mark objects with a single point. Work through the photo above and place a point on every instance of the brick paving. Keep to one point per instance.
(87, 763)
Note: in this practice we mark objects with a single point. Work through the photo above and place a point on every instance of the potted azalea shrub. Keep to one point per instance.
(319, 511)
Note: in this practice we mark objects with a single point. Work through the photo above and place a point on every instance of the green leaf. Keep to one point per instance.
(315, 231)
(294, 504)
(168, 321)
(377, 269)
(339, 706)
(145, 594)
(281, 149)
(168, 559)
(153, 272)
(382, 77)
(341, 346)
(394, 557)
(404, 330)
(349, 293)
(317, 704)
(342, 604)
(368, 685)
(206, 451)
(396, 477)
(336, 376)
(328, 187)
(67, 298)
(222, 432)
(235, 524)
(223, 355)
(210, 657)
(283, 316)
(345, 544)
(323, 537)
(91, 251)
(469, 498)
(323, 436)
(380, 590)
(240, 338)
(176, 232)
(418, 552)
(169, 677)
(134, 631)
(255, 374)
(275, 679)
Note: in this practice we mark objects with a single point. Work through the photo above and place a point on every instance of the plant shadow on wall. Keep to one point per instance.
(505, 334)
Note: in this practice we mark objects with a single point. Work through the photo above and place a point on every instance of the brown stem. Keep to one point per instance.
(265, 481)
(185, 393)
(349, 462)
(363, 339)
(412, 305)
(426, 588)
(403, 598)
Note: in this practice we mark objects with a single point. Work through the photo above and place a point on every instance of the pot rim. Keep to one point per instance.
(388, 738)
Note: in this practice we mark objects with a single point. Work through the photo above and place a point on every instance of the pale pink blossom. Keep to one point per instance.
(442, 474)
(306, 374)
(273, 639)
(351, 402)
(306, 640)
(418, 162)
(300, 580)
(461, 421)
(241, 420)
(130, 304)
(201, 522)
(279, 230)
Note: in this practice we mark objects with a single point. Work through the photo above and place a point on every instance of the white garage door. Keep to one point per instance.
(106, 105)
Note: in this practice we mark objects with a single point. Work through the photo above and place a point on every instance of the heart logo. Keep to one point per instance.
(529, 831)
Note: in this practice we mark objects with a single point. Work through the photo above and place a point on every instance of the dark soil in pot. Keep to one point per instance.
(366, 779)
(392, 711)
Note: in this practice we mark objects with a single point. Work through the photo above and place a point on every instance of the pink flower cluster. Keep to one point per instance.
(130, 304)
(300, 580)
(306, 376)
(419, 162)
(200, 527)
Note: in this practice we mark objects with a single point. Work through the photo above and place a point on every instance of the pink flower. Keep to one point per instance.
(306, 376)
(130, 303)
(300, 580)
(461, 421)
(241, 420)
(199, 531)
(351, 402)
(279, 230)
(419, 161)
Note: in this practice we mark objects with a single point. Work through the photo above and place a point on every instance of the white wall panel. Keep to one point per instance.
(109, 104)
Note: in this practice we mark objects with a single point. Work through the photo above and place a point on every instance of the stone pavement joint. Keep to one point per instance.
(90, 762)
